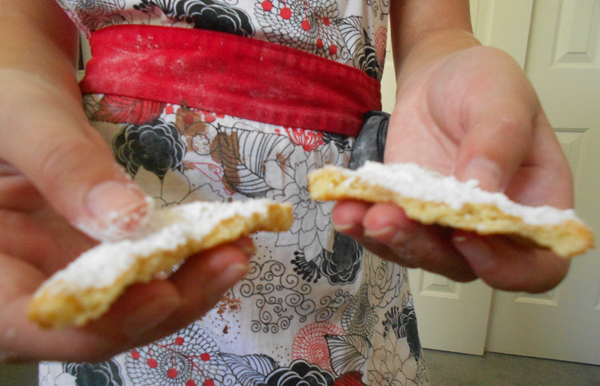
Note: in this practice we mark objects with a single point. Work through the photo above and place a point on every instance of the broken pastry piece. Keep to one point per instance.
(432, 198)
(86, 288)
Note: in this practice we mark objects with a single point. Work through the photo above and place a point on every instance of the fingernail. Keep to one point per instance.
(487, 172)
(246, 245)
(479, 254)
(7, 356)
(377, 233)
(389, 235)
(401, 238)
(227, 280)
(117, 210)
(150, 315)
(7, 170)
(342, 227)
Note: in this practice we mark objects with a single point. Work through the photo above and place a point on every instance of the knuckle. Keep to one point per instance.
(62, 157)
(408, 258)
(96, 351)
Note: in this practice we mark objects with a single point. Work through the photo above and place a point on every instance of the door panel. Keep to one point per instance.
(563, 64)
(451, 316)
(558, 43)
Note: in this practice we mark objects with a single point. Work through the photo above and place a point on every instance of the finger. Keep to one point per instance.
(147, 304)
(56, 244)
(16, 193)
(347, 217)
(17, 231)
(144, 313)
(201, 283)
(142, 307)
(498, 123)
(22, 340)
(545, 177)
(54, 146)
(414, 244)
(508, 266)
(7, 170)
(148, 312)
(385, 230)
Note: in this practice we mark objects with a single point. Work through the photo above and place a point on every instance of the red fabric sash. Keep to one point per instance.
(228, 74)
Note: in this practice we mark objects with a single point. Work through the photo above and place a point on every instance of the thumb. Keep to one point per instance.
(498, 139)
(46, 136)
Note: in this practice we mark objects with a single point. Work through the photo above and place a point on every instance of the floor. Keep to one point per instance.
(446, 369)
(18, 375)
(450, 369)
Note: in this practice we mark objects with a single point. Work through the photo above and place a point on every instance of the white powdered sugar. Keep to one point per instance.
(410, 180)
(167, 229)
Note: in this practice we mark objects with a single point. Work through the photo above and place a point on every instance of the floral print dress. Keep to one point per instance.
(316, 307)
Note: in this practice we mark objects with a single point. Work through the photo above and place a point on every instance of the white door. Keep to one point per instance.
(563, 62)
(562, 58)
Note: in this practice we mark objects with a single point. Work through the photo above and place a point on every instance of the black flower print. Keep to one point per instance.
(307, 25)
(204, 14)
(348, 353)
(300, 373)
(97, 374)
(340, 266)
(309, 270)
(249, 369)
(342, 142)
(367, 60)
(403, 324)
(343, 264)
(359, 317)
(380, 8)
(244, 154)
(98, 13)
(157, 147)
(362, 51)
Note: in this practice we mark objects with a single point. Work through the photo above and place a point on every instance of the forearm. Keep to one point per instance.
(424, 31)
(37, 37)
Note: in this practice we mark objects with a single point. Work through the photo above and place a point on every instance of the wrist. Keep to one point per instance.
(429, 49)
(41, 41)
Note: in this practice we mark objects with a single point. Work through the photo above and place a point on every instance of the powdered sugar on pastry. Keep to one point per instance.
(86, 288)
(431, 198)
(410, 180)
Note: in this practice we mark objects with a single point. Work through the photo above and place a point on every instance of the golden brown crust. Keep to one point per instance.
(566, 239)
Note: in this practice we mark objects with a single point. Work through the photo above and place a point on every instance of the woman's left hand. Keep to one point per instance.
(475, 115)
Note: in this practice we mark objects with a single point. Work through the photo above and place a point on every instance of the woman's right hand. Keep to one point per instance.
(60, 191)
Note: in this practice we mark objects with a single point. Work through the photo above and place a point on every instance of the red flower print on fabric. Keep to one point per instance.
(187, 358)
(353, 378)
(310, 344)
(380, 44)
(308, 139)
(307, 25)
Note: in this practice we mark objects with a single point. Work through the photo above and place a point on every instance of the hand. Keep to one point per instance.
(56, 171)
(473, 114)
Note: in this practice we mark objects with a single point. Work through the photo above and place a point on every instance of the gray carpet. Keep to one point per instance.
(450, 369)
(445, 369)
(18, 375)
